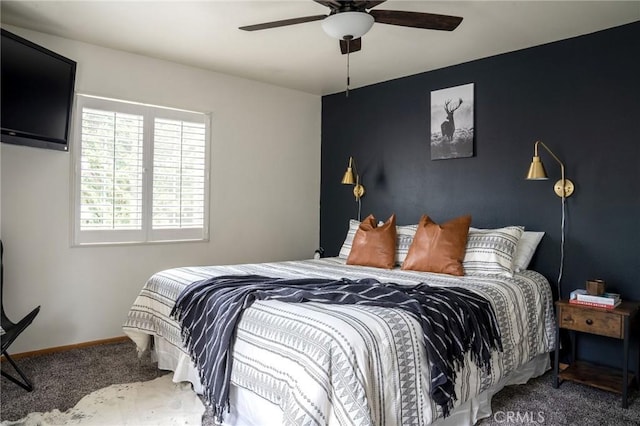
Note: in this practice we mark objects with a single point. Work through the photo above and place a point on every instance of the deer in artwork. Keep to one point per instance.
(448, 126)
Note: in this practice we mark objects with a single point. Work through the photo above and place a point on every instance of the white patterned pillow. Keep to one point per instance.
(346, 245)
(526, 248)
(404, 238)
(491, 251)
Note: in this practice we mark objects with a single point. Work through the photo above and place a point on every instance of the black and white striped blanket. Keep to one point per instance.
(454, 321)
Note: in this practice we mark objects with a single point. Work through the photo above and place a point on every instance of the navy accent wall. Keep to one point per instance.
(580, 96)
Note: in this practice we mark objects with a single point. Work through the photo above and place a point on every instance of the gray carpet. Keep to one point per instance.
(62, 379)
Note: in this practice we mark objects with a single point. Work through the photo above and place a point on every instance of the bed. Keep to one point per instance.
(313, 363)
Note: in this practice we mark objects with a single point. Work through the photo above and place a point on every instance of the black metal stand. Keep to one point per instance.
(25, 383)
(11, 331)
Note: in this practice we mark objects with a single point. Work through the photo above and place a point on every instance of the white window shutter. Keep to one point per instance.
(111, 171)
(140, 173)
(178, 174)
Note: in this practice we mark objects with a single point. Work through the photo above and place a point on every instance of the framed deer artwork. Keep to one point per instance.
(452, 122)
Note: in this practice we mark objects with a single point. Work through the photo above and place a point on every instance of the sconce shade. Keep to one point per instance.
(564, 187)
(348, 178)
(353, 178)
(536, 170)
(344, 24)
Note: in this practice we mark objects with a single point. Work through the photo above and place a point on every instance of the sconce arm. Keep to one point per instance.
(564, 187)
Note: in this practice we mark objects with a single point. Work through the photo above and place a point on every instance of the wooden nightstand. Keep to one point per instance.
(616, 323)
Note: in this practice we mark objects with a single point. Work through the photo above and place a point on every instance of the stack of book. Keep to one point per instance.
(606, 300)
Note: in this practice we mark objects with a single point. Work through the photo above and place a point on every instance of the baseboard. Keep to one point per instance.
(67, 347)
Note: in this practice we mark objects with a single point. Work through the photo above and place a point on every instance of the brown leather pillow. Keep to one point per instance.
(438, 248)
(374, 245)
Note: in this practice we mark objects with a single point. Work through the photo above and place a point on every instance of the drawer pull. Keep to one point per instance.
(589, 321)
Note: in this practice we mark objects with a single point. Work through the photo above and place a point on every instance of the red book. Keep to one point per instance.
(594, 305)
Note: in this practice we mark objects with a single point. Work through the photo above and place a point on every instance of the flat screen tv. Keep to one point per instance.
(37, 94)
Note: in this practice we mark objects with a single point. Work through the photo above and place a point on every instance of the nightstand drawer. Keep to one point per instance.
(591, 321)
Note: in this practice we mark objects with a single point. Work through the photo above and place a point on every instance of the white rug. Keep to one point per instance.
(158, 402)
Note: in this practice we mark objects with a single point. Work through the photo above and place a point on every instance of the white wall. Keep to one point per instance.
(265, 192)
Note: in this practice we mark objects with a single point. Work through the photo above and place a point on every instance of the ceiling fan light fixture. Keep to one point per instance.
(345, 24)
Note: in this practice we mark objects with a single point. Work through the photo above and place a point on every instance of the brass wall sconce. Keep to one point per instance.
(564, 187)
(352, 177)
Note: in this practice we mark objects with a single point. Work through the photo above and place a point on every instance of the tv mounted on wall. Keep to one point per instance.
(37, 94)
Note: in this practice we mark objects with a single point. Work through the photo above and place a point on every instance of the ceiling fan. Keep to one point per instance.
(348, 21)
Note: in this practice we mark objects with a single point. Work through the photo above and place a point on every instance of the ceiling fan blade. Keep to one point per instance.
(283, 23)
(427, 21)
(354, 45)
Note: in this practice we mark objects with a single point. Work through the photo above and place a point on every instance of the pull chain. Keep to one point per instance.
(348, 40)
(348, 77)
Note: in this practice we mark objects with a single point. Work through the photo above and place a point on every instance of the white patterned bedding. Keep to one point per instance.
(351, 365)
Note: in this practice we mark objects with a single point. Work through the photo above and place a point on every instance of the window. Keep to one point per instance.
(140, 173)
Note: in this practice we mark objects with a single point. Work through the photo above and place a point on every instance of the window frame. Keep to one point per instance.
(146, 235)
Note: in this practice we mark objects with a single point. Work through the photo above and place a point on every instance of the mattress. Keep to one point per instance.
(328, 364)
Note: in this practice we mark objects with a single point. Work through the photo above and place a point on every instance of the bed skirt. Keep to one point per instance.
(249, 409)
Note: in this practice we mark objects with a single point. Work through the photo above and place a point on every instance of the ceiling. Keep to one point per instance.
(205, 34)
